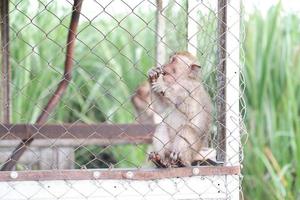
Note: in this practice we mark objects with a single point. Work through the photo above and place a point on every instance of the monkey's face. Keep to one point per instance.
(179, 67)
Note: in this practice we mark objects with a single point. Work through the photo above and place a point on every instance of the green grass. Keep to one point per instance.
(272, 71)
(106, 74)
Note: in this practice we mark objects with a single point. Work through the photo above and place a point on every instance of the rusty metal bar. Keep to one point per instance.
(123, 133)
(5, 75)
(21, 148)
(137, 174)
(221, 81)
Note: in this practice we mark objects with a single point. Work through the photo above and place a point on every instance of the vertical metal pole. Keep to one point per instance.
(192, 26)
(233, 142)
(221, 81)
(5, 72)
(160, 32)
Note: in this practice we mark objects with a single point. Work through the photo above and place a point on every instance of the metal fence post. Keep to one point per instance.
(5, 74)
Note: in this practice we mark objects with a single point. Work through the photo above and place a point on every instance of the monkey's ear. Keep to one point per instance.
(195, 71)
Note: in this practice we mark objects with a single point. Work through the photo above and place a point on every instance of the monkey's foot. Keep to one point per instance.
(176, 160)
(156, 159)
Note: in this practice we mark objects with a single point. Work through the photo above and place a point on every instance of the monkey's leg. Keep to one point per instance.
(161, 143)
(183, 147)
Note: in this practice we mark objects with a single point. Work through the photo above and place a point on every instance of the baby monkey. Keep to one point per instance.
(180, 99)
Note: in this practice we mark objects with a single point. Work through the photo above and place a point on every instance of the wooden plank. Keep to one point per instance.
(124, 133)
(43, 157)
(55, 158)
(130, 174)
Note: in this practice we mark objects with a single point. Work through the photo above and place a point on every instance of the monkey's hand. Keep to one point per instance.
(153, 74)
(159, 87)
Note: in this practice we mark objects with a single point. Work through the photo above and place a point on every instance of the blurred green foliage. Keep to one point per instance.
(272, 71)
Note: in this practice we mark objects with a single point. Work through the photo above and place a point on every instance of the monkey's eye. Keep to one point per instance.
(174, 70)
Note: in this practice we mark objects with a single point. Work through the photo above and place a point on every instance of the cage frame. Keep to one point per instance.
(229, 138)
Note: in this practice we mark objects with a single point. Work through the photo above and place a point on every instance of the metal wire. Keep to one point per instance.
(93, 142)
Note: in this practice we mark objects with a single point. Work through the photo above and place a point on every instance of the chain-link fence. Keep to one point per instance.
(120, 99)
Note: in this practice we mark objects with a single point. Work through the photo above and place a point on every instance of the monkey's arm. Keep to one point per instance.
(139, 103)
(176, 94)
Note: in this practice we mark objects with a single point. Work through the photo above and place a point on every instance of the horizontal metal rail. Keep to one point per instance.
(132, 174)
(122, 133)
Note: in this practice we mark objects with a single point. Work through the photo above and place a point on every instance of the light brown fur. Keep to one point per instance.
(184, 108)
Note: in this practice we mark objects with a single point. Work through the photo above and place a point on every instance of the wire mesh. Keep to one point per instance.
(108, 117)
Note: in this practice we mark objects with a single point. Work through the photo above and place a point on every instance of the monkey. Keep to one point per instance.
(184, 107)
(152, 111)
